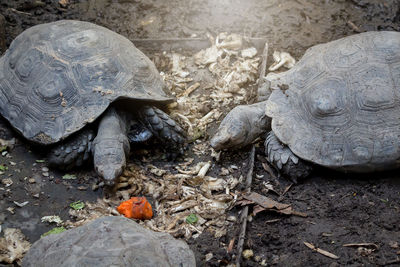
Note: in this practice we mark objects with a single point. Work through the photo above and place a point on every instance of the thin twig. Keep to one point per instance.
(321, 251)
(395, 261)
(263, 66)
(268, 169)
(196, 44)
(286, 189)
(230, 246)
(353, 26)
(245, 211)
(262, 83)
(20, 12)
(249, 178)
(362, 245)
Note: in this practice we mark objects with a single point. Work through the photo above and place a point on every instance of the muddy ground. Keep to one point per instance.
(341, 208)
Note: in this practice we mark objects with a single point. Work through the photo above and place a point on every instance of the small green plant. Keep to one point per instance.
(77, 205)
(192, 218)
(3, 168)
(55, 230)
(69, 176)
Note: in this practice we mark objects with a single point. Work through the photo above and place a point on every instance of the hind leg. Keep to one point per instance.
(283, 159)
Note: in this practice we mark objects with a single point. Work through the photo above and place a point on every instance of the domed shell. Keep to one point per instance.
(57, 77)
(109, 241)
(339, 106)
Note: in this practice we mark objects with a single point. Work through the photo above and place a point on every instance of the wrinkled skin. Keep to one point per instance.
(111, 146)
(244, 124)
(241, 126)
(117, 131)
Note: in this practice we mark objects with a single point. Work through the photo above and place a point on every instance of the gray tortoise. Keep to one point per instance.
(338, 107)
(109, 241)
(56, 78)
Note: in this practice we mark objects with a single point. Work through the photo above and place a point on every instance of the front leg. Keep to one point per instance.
(283, 159)
(73, 152)
(111, 145)
(162, 126)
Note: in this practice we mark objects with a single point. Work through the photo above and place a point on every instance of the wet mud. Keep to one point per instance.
(341, 208)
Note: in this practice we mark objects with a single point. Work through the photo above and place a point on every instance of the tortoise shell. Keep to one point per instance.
(339, 106)
(109, 241)
(57, 77)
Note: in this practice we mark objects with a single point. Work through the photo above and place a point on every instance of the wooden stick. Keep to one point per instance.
(245, 211)
(263, 66)
(185, 44)
(249, 177)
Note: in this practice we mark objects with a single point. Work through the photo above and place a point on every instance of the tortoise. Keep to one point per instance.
(338, 107)
(109, 241)
(60, 81)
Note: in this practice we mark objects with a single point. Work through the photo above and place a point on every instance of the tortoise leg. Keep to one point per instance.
(73, 152)
(241, 126)
(111, 146)
(162, 126)
(283, 159)
(138, 133)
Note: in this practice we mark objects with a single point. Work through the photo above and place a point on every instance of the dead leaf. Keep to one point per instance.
(63, 3)
(13, 246)
(257, 209)
(270, 204)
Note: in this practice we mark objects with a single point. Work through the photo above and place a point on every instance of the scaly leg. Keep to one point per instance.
(73, 152)
(283, 159)
(162, 126)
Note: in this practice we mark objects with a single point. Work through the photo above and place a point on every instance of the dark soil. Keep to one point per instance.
(341, 208)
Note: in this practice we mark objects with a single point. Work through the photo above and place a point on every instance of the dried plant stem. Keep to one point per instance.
(245, 211)
(249, 178)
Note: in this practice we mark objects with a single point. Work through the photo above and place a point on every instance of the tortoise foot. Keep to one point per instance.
(283, 159)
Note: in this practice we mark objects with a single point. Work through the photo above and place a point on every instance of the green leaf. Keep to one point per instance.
(385, 200)
(78, 205)
(40, 160)
(69, 176)
(55, 230)
(3, 168)
(3, 148)
(192, 219)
